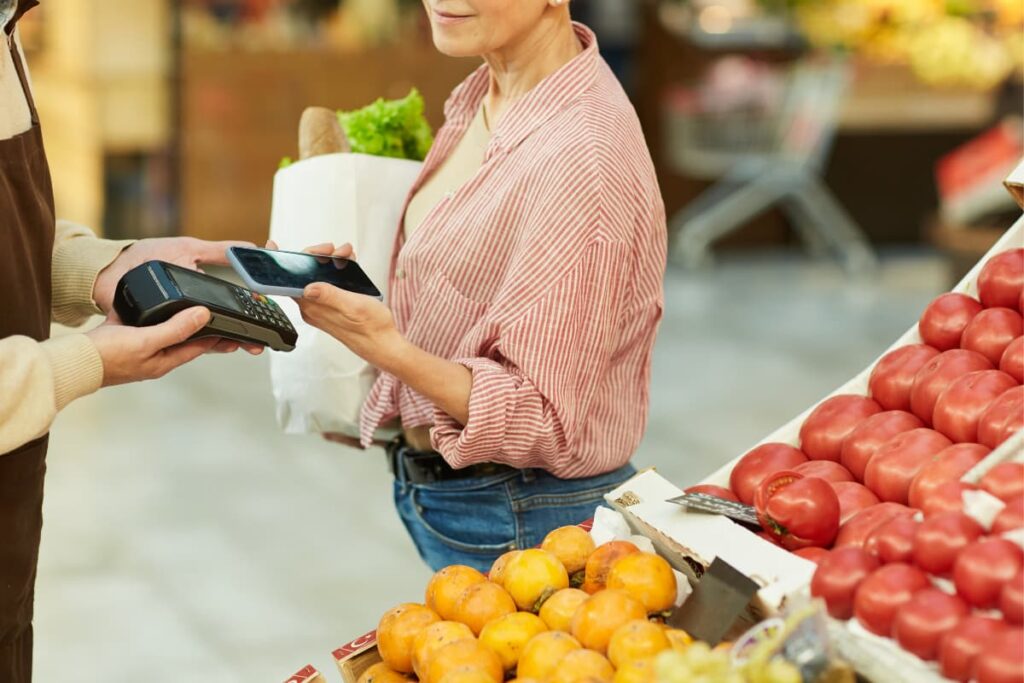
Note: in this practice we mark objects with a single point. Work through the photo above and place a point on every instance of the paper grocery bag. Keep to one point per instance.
(320, 386)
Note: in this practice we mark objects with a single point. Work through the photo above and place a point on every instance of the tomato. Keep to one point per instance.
(893, 375)
(949, 464)
(837, 577)
(948, 497)
(983, 567)
(1001, 659)
(1001, 281)
(855, 531)
(991, 332)
(863, 441)
(824, 469)
(921, 623)
(822, 433)
(768, 537)
(880, 596)
(1012, 360)
(712, 490)
(893, 541)
(853, 498)
(1011, 600)
(960, 406)
(1004, 481)
(1003, 418)
(962, 644)
(760, 462)
(945, 319)
(940, 539)
(1011, 517)
(800, 511)
(938, 374)
(895, 464)
(812, 554)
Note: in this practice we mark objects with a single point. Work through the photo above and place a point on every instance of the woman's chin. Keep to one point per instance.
(449, 43)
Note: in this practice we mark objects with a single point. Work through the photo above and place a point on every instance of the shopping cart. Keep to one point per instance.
(765, 156)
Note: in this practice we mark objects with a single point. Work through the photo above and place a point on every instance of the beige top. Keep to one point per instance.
(465, 160)
(37, 379)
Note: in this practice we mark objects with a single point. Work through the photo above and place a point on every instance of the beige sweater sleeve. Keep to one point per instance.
(37, 379)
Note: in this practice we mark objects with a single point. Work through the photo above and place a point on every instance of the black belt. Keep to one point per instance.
(430, 467)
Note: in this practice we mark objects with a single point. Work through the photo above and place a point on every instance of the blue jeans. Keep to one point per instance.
(473, 521)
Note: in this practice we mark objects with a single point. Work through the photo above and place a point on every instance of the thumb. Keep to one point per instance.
(323, 293)
(179, 328)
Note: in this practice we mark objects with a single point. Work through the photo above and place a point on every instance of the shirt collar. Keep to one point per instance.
(547, 98)
(11, 11)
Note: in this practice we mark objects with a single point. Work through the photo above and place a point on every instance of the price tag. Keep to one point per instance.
(701, 502)
(720, 597)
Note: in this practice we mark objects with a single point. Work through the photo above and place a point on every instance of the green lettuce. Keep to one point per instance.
(390, 128)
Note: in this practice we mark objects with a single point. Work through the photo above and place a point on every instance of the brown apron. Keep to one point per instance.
(26, 247)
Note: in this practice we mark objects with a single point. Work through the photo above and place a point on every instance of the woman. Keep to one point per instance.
(526, 291)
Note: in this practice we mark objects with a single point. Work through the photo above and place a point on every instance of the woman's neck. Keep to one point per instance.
(520, 66)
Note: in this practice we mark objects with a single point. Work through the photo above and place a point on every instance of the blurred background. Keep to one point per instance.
(828, 166)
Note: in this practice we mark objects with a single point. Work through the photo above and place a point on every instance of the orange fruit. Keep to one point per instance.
(497, 573)
(506, 636)
(646, 577)
(680, 639)
(396, 631)
(532, 576)
(601, 615)
(524, 680)
(382, 673)
(638, 639)
(543, 652)
(467, 674)
(433, 638)
(600, 563)
(636, 671)
(582, 666)
(571, 545)
(483, 602)
(463, 653)
(447, 586)
(557, 610)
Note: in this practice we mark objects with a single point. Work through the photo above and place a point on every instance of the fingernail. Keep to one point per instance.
(200, 316)
(312, 292)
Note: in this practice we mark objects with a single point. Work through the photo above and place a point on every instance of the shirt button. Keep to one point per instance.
(400, 273)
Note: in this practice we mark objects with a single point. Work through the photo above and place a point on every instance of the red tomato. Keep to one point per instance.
(880, 596)
(960, 406)
(1012, 361)
(813, 554)
(824, 469)
(712, 490)
(863, 441)
(1011, 517)
(893, 375)
(853, 498)
(948, 497)
(991, 332)
(753, 467)
(945, 319)
(800, 511)
(921, 623)
(822, 433)
(938, 374)
(855, 531)
(768, 537)
(948, 465)
(1003, 418)
(1001, 659)
(1001, 281)
(1004, 481)
(940, 539)
(1011, 600)
(895, 464)
(983, 567)
(837, 577)
(962, 644)
(893, 541)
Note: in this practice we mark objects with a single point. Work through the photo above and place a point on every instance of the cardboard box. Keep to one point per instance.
(1015, 184)
(307, 674)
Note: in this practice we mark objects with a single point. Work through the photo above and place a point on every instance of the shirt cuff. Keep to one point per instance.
(77, 262)
(77, 367)
(481, 438)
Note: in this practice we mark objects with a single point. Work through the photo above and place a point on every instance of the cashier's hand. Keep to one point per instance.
(186, 252)
(133, 354)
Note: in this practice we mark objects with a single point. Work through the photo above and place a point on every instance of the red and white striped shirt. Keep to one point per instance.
(542, 275)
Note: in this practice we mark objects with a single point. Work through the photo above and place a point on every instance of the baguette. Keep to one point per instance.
(320, 133)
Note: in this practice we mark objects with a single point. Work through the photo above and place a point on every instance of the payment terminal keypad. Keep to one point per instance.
(261, 308)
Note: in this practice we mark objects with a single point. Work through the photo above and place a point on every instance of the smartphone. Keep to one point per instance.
(288, 273)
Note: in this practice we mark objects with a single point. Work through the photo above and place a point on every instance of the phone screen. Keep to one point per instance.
(296, 271)
(205, 289)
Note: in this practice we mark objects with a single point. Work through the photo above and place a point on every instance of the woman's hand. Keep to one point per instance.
(360, 322)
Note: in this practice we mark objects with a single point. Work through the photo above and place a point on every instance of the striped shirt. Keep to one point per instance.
(542, 275)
